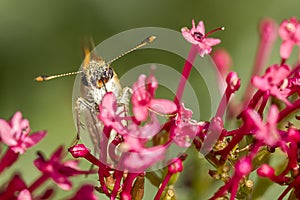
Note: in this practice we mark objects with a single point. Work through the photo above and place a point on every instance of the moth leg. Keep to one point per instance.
(80, 105)
(124, 99)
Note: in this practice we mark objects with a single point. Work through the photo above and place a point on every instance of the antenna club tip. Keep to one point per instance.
(149, 39)
(152, 38)
(39, 78)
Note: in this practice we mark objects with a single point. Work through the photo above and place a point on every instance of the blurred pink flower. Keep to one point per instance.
(289, 32)
(222, 60)
(85, 192)
(138, 162)
(24, 195)
(108, 113)
(265, 132)
(15, 185)
(58, 170)
(196, 35)
(185, 129)
(15, 133)
(274, 81)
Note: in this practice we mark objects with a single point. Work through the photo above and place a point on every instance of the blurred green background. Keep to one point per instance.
(44, 37)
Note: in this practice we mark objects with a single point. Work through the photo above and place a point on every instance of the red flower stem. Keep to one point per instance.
(294, 184)
(38, 182)
(267, 38)
(229, 133)
(8, 159)
(188, 65)
(224, 102)
(103, 185)
(285, 112)
(285, 192)
(163, 186)
(127, 186)
(118, 177)
(222, 190)
(235, 140)
(255, 99)
(263, 103)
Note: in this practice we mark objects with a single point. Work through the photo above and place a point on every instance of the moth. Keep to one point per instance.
(97, 77)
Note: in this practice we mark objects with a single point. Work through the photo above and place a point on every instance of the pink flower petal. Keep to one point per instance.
(34, 138)
(61, 181)
(260, 83)
(24, 195)
(163, 106)
(187, 35)
(212, 41)
(140, 112)
(283, 33)
(6, 133)
(273, 115)
(200, 27)
(286, 49)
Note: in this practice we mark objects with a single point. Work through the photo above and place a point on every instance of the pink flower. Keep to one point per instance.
(15, 185)
(85, 192)
(108, 113)
(265, 132)
(143, 99)
(138, 162)
(58, 170)
(266, 170)
(289, 31)
(24, 195)
(197, 36)
(15, 134)
(185, 129)
(274, 81)
(222, 60)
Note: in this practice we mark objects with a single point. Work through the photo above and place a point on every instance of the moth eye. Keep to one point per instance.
(110, 73)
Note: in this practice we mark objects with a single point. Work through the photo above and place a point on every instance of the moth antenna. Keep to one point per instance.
(47, 78)
(143, 43)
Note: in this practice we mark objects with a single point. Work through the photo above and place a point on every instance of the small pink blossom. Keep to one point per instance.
(85, 192)
(266, 170)
(196, 35)
(16, 184)
(289, 32)
(275, 81)
(175, 166)
(266, 132)
(24, 195)
(58, 170)
(143, 99)
(222, 60)
(138, 162)
(108, 113)
(15, 133)
(185, 129)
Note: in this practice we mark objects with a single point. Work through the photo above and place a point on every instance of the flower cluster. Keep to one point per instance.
(15, 140)
(262, 127)
(133, 145)
(136, 140)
